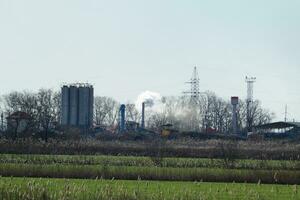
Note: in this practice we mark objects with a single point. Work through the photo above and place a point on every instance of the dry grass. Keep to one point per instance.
(63, 189)
(173, 148)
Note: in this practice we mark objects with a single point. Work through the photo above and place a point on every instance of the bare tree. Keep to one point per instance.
(21, 101)
(47, 110)
(2, 116)
(211, 112)
(133, 112)
(106, 110)
(257, 115)
(43, 107)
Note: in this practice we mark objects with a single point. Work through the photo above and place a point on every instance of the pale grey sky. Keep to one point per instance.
(127, 47)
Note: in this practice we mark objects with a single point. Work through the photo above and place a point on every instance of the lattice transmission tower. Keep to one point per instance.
(249, 101)
(194, 82)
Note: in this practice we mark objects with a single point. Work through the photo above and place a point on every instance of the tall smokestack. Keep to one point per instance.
(234, 103)
(143, 115)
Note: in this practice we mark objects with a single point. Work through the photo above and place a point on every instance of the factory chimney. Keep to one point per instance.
(234, 103)
(143, 115)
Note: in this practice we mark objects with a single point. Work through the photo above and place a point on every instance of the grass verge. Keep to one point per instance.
(30, 188)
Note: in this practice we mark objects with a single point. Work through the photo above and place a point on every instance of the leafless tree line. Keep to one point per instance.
(43, 107)
(209, 113)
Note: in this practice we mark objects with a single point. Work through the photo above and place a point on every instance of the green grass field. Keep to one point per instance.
(133, 168)
(148, 162)
(30, 188)
(130, 177)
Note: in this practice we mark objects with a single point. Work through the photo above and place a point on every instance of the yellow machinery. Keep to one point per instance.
(166, 130)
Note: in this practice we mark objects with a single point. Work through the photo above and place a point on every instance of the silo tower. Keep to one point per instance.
(77, 102)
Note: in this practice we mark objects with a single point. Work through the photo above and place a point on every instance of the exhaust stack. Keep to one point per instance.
(143, 115)
(234, 103)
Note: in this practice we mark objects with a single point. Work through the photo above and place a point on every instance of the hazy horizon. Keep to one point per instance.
(127, 47)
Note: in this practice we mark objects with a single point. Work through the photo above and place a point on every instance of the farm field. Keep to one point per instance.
(43, 188)
(145, 168)
(140, 161)
(275, 150)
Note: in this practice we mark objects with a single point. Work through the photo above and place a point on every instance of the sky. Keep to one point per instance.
(125, 47)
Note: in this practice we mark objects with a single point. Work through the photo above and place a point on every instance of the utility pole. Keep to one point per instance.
(249, 101)
(234, 103)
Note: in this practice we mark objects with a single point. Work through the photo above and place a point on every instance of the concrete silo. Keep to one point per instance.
(65, 95)
(77, 105)
(84, 119)
(73, 105)
(91, 105)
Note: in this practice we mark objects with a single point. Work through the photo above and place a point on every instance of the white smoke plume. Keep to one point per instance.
(153, 101)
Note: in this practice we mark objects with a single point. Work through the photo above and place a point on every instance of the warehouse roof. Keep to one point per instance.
(279, 125)
(19, 115)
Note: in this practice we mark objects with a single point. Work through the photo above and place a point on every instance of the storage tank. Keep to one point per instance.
(91, 112)
(73, 105)
(84, 107)
(77, 105)
(65, 97)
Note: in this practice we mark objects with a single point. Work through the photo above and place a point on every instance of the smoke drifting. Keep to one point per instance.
(153, 100)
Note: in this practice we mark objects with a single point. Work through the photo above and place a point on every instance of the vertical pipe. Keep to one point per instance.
(234, 102)
(234, 120)
(143, 115)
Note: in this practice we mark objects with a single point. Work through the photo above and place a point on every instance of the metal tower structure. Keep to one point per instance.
(250, 82)
(194, 82)
(286, 113)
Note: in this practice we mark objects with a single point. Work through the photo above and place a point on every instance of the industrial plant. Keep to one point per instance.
(77, 109)
(192, 112)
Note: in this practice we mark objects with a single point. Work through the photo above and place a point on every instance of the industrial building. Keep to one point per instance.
(279, 128)
(124, 125)
(77, 101)
(18, 122)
